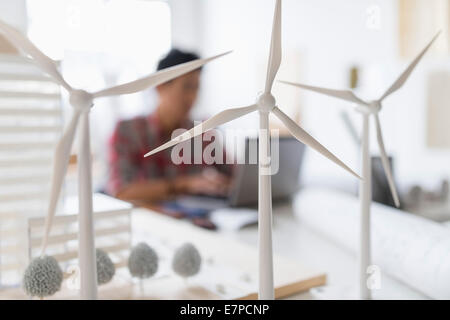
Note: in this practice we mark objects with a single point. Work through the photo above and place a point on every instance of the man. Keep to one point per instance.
(133, 177)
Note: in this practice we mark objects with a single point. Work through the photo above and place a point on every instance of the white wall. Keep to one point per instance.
(14, 12)
(331, 36)
(187, 24)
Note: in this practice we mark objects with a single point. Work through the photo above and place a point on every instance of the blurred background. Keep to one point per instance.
(360, 44)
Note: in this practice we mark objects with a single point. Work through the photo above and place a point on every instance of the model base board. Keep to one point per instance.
(228, 271)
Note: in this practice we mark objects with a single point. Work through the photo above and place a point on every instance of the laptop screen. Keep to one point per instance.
(285, 181)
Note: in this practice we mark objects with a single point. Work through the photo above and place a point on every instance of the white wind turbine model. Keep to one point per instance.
(265, 104)
(368, 108)
(82, 102)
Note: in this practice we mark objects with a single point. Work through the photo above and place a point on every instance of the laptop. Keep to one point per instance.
(244, 190)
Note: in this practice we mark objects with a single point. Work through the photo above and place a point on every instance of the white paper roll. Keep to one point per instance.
(410, 248)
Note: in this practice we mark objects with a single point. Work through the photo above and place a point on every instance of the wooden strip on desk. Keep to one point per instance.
(284, 291)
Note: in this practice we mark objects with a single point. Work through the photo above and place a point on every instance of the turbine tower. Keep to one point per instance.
(369, 109)
(82, 102)
(265, 105)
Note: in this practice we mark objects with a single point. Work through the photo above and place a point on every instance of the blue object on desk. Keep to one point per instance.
(188, 211)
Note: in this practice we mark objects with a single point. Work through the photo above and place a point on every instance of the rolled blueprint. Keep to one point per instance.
(410, 248)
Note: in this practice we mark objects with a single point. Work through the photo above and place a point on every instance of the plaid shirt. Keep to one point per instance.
(131, 140)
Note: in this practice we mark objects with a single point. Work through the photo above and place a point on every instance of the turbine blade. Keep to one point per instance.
(385, 161)
(275, 49)
(305, 138)
(60, 164)
(23, 43)
(405, 75)
(340, 94)
(217, 120)
(157, 78)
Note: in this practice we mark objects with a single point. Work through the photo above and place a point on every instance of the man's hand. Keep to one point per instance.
(209, 182)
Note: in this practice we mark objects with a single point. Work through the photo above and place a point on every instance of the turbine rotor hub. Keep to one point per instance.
(375, 107)
(266, 102)
(81, 100)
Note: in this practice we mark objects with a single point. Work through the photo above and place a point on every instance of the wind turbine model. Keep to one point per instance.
(82, 102)
(265, 104)
(367, 109)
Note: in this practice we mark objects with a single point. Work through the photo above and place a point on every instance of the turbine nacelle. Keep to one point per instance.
(81, 100)
(373, 107)
(265, 102)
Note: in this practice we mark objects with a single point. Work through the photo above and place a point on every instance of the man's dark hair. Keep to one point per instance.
(176, 57)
